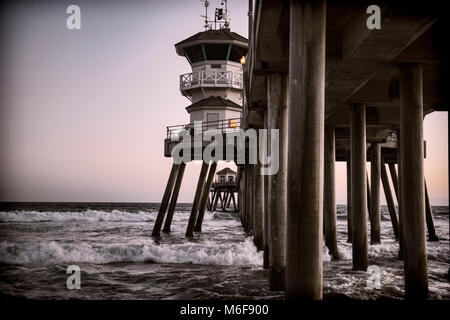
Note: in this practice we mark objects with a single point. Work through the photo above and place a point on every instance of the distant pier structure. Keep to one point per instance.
(224, 189)
(215, 90)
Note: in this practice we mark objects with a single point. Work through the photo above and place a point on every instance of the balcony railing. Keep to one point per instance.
(213, 78)
(219, 126)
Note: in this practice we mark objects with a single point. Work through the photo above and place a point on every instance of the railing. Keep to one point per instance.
(219, 126)
(213, 78)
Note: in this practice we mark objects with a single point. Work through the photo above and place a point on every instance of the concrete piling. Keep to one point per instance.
(375, 175)
(249, 198)
(412, 181)
(208, 204)
(368, 193)
(277, 200)
(234, 202)
(197, 197)
(254, 198)
(221, 199)
(226, 196)
(241, 194)
(389, 200)
(259, 208)
(359, 189)
(329, 194)
(174, 198)
(215, 200)
(305, 149)
(165, 201)
(266, 203)
(432, 236)
(349, 198)
(396, 180)
(245, 198)
(266, 223)
(394, 177)
(230, 196)
(204, 198)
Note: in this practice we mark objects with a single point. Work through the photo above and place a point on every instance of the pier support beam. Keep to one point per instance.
(197, 197)
(266, 202)
(239, 193)
(266, 223)
(174, 198)
(305, 149)
(221, 197)
(389, 199)
(277, 198)
(205, 194)
(432, 236)
(235, 206)
(394, 176)
(243, 187)
(375, 173)
(397, 188)
(216, 198)
(208, 204)
(254, 198)
(165, 201)
(359, 189)
(329, 196)
(225, 200)
(368, 192)
(249, 199)
(258, 232)
(349, 198)
(412, 181)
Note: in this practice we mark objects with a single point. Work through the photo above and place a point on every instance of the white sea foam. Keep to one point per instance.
(88, 215)
(345, 252)
(325, 254)
(52, 252)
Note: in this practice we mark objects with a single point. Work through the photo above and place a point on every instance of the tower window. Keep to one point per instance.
(216, 51)
(216, 66)
(194, 53)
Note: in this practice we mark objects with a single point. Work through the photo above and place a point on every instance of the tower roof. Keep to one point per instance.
(225, 171)
(211, 36)
(213, 101)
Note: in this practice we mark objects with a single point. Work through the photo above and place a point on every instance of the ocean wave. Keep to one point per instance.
(206, 253)
(389, 249)
(88, 215)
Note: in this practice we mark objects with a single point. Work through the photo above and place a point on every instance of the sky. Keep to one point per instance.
(83, 113)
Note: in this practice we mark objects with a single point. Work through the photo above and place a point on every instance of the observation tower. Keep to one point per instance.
(214, 89)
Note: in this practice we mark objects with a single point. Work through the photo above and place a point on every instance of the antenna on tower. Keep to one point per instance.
(221, 16)
(207, 23)
(226, 15)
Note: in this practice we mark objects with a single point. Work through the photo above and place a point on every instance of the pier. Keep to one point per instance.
(337, 89)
